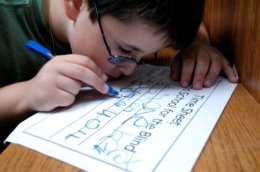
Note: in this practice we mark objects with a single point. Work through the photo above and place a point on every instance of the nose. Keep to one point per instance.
(126, 69)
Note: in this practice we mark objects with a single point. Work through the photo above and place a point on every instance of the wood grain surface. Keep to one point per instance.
(234, 27)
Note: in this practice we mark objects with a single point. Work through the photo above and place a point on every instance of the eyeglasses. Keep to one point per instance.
(113, 59)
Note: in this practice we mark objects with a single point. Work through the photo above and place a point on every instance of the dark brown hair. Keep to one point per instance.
(179, 19)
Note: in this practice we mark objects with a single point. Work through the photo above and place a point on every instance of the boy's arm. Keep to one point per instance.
(200, 63)
(13, 100)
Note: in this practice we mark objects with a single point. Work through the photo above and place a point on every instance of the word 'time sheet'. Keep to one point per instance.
(153, 124)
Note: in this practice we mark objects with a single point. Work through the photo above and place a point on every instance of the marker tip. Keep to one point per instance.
(112, 91)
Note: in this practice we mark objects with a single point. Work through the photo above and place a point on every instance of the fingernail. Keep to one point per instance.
(185, 84)
(197, 85)
(105, 89)
(236, 79)
(208, 83)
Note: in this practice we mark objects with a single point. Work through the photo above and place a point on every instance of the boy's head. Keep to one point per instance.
(178, 19)
(129, 28)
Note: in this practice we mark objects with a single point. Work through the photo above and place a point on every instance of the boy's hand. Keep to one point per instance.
(200, 65)
(60, 80)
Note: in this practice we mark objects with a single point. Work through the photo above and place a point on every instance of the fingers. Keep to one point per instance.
(60, 80)
(68, 85)
(201, 66)
(86, 76)
(213, 73)
(64, 98)
(229, 71)
(46, 96)
(182, 67)
(210, 64)
(83, 70)
(87, 63)
(188, 65)
(176, 68)
(201, 70)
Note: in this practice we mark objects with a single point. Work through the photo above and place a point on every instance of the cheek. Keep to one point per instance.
(83, 37)
(81, 44)
(93, 50)
(87, 44)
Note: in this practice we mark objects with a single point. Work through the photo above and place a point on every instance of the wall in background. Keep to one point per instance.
(234, 27)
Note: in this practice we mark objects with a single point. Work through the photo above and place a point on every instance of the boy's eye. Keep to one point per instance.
(125, 51)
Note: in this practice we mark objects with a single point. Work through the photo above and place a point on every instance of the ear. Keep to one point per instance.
(72, 8)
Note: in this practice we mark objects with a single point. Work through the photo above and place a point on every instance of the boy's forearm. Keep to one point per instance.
(12, 100)
(202, 35)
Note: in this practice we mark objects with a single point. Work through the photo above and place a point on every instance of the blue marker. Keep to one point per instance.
(46, 53)
(39, 49)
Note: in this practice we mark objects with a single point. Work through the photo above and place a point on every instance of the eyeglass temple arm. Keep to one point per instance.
(101, 29)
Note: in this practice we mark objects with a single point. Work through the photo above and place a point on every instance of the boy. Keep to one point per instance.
(96, 32)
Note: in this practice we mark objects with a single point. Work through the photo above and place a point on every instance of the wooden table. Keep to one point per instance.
(233, 146)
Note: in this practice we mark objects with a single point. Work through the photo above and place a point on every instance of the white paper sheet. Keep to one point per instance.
(152, 125)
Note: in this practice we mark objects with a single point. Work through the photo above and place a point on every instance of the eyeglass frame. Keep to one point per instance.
(113, 58)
